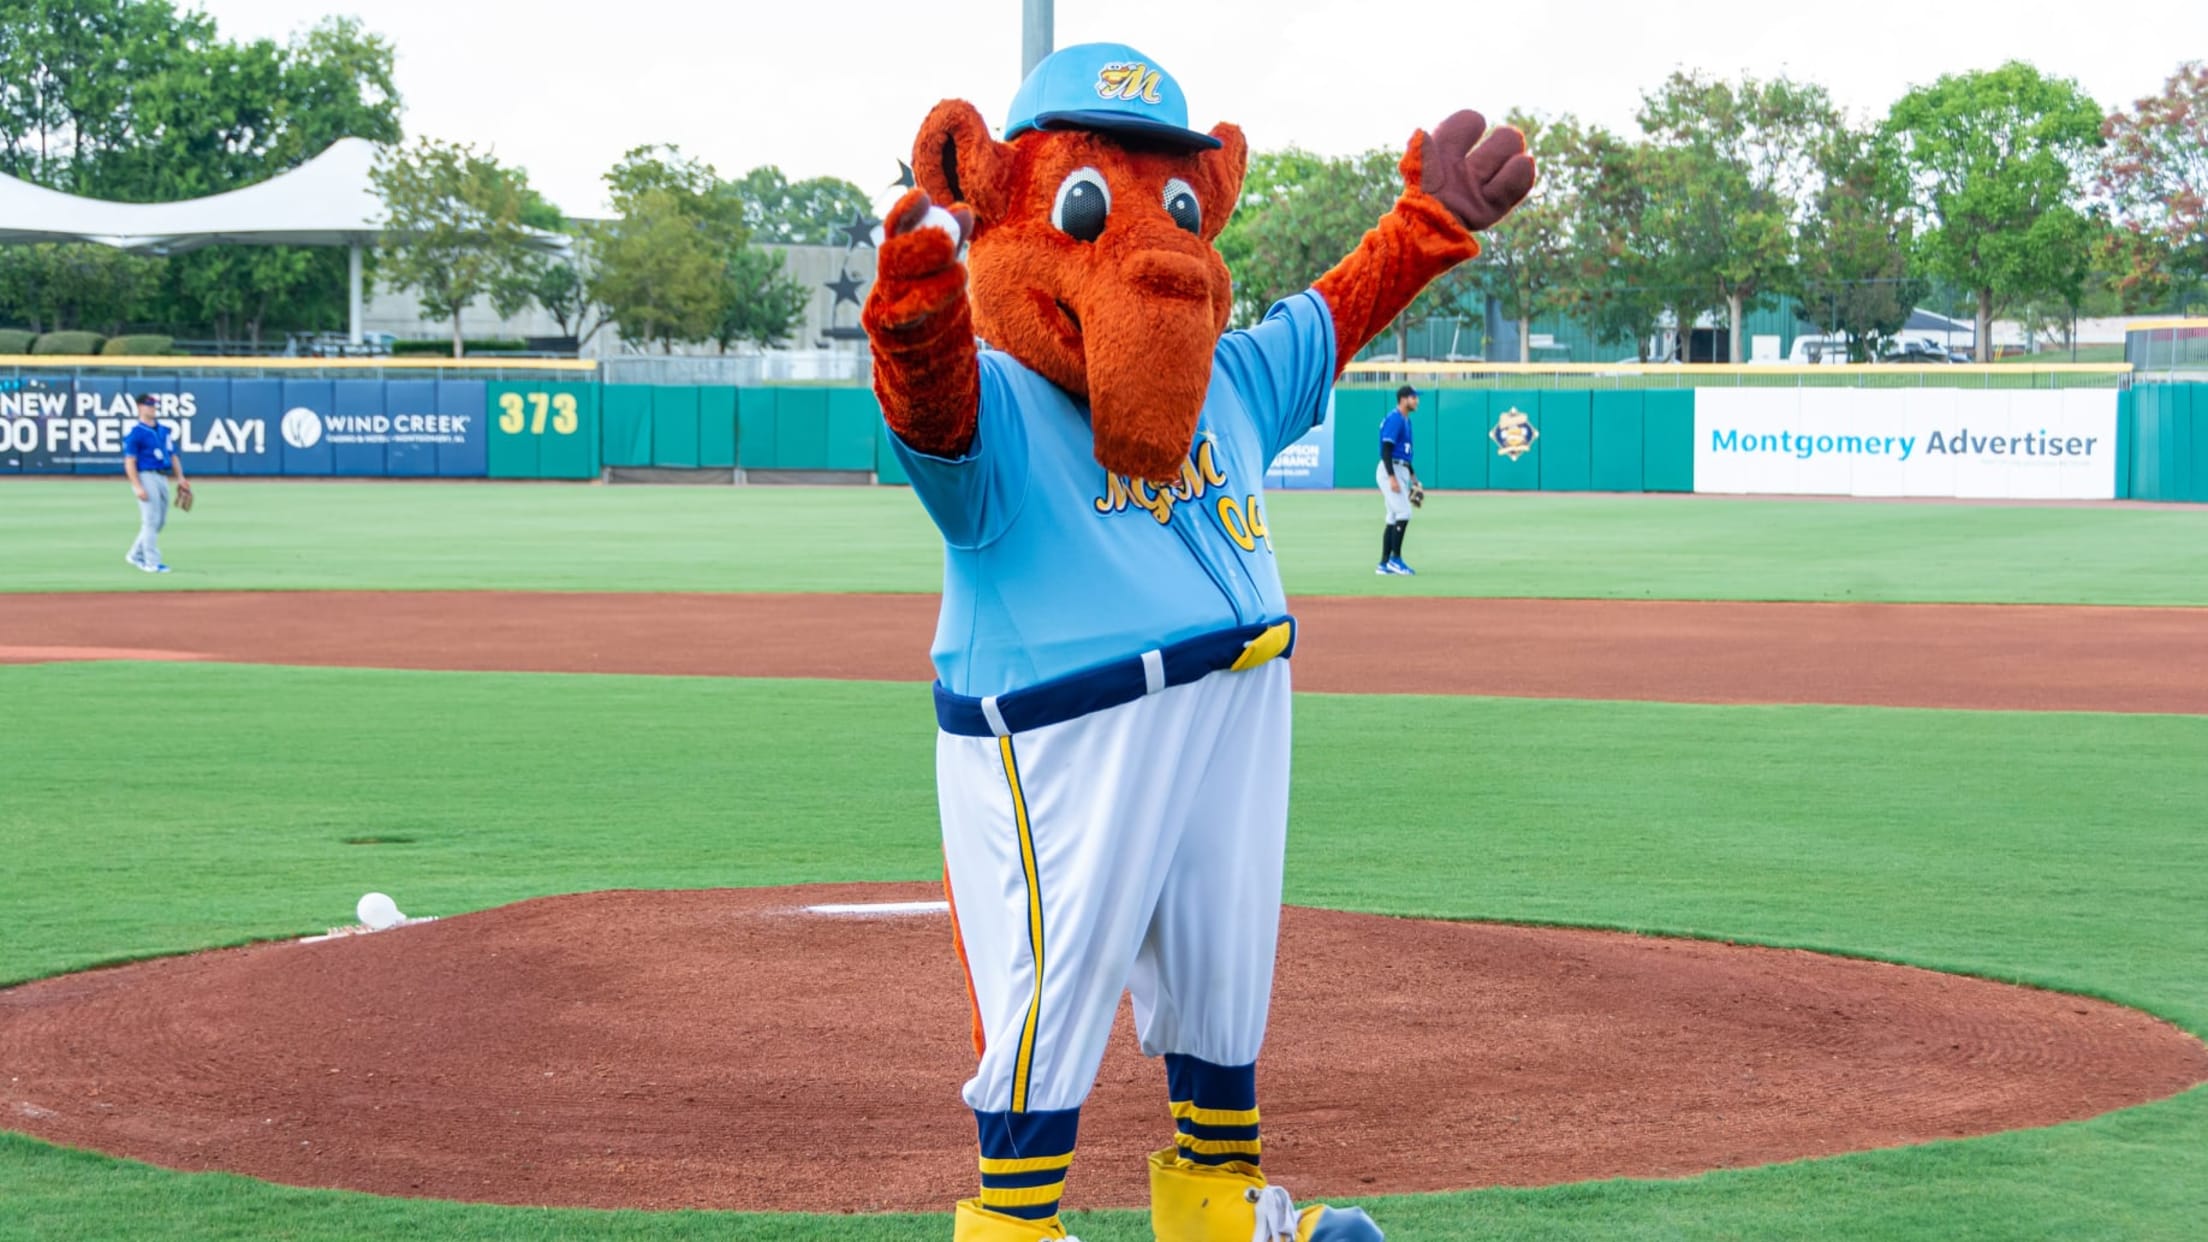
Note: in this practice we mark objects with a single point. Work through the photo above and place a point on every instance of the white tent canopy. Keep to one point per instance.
(327, 201)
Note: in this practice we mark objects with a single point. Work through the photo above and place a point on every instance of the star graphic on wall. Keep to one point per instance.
(904, 176)
(846, 288)
(860, 232)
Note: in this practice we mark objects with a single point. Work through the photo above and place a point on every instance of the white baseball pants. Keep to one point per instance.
(153, 514)
(1136, 848)
(1398, 503)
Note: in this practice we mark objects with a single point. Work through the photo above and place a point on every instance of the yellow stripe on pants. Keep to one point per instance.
(1026, 1061)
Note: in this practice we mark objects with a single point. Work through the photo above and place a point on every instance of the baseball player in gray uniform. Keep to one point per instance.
(149, 453)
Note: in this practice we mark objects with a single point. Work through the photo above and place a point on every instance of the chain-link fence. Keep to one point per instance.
(807, 366)
(1742, 375)
(2169, 349)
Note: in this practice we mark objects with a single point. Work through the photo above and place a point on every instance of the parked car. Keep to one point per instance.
(1812, 351)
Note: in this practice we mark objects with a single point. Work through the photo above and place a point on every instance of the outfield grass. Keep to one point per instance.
(70, 535)
(2055, 849)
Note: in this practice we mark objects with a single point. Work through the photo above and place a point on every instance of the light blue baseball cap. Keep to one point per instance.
(1109, 87)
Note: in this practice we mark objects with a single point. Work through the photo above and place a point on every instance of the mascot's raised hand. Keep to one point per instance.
(1477, 173)
(1049, 330)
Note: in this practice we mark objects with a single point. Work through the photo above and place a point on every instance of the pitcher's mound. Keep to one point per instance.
(729, 1049)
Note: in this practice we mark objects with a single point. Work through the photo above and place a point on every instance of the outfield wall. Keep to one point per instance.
(2149, 442)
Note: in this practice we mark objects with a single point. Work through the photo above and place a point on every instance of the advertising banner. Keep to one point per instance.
(1974, 443)
(363, 428)
(60, 426)
(1308, 464)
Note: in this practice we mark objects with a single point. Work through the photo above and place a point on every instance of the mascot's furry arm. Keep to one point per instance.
(1455, 184)
(1458, 180)
(927, 371)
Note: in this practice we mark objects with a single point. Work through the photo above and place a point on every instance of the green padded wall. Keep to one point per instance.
(675, 426)
(1667, 441)
(1566, 444)
(572, 454)
(2197, 432)
(1450, 439)
(755, 430)
(1614, 462)
(542, 431)
(717, 427)
(853, 414)
(1357, 415)
(887, 468)
(801, 428)
(511, 450)
(2151, 452)
(628, 420)
(2126, 435)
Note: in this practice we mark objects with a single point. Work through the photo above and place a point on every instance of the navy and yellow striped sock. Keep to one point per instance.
(1024, 1158)
(1215, 1109)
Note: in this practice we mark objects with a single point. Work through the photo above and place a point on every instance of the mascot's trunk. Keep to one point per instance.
(1149, 347)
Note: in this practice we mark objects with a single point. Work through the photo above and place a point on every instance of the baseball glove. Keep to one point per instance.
(184, 497)
(1418, 495)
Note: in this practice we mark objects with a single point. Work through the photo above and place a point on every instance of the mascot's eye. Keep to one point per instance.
(1083, 203)
(1180, 203)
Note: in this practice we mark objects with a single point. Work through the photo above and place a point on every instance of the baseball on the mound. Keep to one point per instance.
(378, 912)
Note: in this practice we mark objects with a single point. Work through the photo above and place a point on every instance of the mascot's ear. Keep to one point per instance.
(956, 161)
(1222, 179)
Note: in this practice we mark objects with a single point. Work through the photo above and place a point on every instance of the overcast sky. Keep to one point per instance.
(563, 87)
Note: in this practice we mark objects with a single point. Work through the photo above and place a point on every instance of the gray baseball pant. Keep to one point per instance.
(153, 514)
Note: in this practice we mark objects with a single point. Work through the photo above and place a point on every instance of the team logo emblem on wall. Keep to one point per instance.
(302, 427)
(1121, 80)
(1513, 434)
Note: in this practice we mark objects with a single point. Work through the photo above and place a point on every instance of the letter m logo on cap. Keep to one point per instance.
(1133, 82)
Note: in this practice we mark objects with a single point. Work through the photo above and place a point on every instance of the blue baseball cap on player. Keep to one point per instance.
(1109, 87)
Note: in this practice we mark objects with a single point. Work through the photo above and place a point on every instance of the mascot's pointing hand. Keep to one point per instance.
(1478, 174)
(919, 254)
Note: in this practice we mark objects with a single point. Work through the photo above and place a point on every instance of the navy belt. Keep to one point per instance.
(1108, 685)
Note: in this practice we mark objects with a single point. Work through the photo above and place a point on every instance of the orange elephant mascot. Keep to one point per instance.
(1112, 654)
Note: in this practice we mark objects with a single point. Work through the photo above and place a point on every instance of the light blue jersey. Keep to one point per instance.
(1053, 565)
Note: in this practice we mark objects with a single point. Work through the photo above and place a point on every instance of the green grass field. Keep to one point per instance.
(155, 809)
(70, 536)
(2066, 853)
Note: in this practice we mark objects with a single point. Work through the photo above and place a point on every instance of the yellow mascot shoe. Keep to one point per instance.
(1200, 1203)
(975, 1223)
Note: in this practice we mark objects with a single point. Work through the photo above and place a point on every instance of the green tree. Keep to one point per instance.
(561, 287)
(1994, 160)
(1617, 261)
(1734, 166)
(676, 266)
(135, 100)
(70, 73)
(1854, 277)
(780, 212)
(454, 228)
(761, 304)
(659, 276)
(660, 267)
(1526, 261)
(2154, 172)
(51, 288)
(1298, 216)
(337, 83)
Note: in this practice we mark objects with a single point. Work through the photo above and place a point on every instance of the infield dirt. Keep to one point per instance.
(2036, 658)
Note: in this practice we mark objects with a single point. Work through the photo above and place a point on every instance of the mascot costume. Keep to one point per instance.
(1112, 654)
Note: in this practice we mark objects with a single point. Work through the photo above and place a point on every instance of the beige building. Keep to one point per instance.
(827, 341)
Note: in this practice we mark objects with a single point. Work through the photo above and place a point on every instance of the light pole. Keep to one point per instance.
(1035, 34)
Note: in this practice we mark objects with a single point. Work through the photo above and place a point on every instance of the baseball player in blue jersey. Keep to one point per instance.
(1112, 697)
(1399, 487)
(149, 453)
